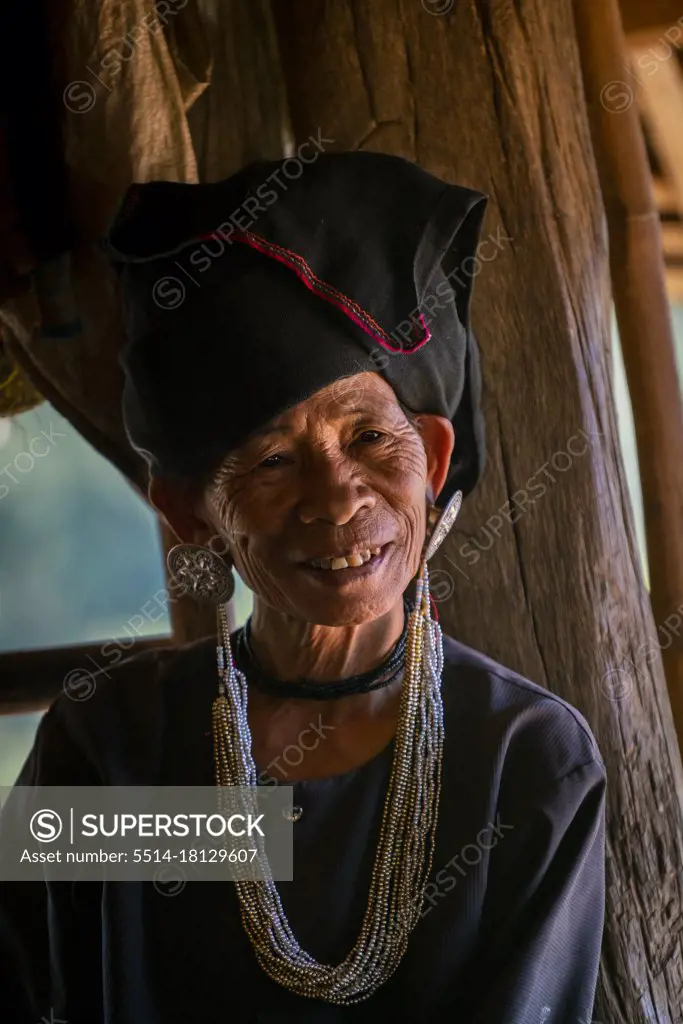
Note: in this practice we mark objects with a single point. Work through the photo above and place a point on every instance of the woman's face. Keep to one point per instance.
(324, 511)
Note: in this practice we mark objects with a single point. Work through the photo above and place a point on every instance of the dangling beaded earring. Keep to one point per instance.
(206, 577)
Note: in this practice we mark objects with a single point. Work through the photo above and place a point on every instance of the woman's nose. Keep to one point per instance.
(334, 493)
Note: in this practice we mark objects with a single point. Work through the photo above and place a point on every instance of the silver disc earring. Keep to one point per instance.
(440, 524)
(201, 573)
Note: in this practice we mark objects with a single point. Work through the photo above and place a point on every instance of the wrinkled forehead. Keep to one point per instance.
(352, 396)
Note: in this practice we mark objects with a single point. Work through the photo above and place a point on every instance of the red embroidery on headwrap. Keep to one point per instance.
(328, 292)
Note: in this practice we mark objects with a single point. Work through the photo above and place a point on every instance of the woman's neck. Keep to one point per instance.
(290, 649)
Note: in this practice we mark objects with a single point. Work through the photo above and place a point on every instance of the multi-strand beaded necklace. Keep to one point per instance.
(405, 848)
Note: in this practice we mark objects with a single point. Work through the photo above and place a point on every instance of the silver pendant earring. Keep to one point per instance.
(200, 573)
(440, 524)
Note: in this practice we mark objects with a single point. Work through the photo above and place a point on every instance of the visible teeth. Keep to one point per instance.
(346, 561)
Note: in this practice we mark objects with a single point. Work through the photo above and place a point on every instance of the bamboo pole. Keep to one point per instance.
(643, 316)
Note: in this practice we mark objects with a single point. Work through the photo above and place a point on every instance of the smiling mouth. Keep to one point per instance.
(339, 571)
(352, 560)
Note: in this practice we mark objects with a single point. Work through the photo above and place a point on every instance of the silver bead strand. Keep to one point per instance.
(405, 847)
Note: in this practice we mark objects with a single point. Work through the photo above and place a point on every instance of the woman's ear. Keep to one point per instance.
(438, 439)
(177, 502)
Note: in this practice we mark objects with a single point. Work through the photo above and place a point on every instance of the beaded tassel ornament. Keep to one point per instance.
(403, 859)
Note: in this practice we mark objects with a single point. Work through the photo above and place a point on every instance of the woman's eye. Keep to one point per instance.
(369, 436)
(272, 460)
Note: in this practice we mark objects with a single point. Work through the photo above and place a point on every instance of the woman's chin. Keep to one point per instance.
(342, 613)
(346, 606)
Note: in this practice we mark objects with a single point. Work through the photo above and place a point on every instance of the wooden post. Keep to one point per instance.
(543, 572)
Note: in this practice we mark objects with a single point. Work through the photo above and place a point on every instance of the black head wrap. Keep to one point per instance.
(243, 297)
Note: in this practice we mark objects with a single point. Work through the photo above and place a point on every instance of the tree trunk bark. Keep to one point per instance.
(543, 571)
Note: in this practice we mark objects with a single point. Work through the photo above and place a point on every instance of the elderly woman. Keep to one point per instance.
(303, 381)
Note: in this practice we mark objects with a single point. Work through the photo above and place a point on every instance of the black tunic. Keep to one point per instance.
(511, 928)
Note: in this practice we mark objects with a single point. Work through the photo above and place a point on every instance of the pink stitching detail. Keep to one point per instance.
(317, 286)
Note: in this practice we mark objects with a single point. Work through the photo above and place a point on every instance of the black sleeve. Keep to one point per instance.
(50, 959)
(538, 958)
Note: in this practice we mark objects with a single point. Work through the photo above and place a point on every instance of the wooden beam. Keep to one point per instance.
(30, 680)
(651, 17)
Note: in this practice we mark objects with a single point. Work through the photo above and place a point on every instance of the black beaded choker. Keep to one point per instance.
(376, 678)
